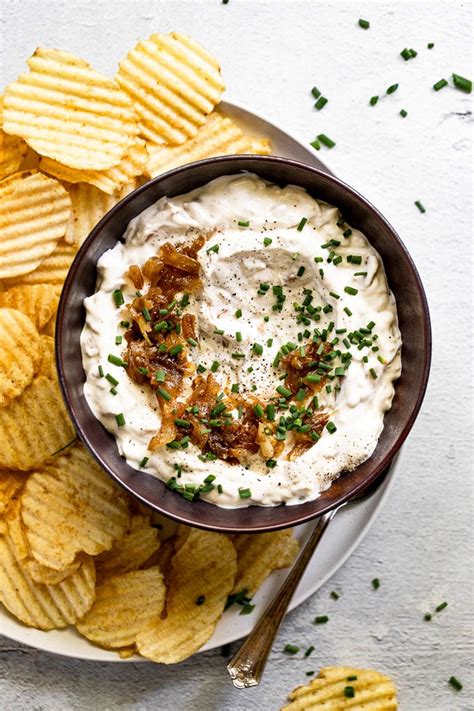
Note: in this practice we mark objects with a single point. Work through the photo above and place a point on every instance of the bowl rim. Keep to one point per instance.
(426, 337)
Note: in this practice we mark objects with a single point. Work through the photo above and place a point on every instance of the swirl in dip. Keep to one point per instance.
(242, 344)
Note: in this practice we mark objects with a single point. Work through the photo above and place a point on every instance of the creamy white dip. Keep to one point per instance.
(231, 277)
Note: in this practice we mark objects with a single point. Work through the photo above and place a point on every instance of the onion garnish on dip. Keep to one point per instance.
(242, 344)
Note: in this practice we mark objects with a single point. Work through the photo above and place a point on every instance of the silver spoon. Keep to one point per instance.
(247, 665)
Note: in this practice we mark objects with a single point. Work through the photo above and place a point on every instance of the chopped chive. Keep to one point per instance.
(331, 427)
(309, 651)
(247, 609)
(335, 595)
(291, 649)
(238, 337)
(258, 410)
(351, 290)
(175, 349)
(118, 297)
(373, 100)
(321, 619)
(245, 493)
(214, 366)
(349, 692)
(146, 314)
(267, 241)
(243, 223)
(182, 423)
(271, 463)
(101, 371)
(430, 45)
(111, 379)
(360, 273)
(455, 683)
(270, 409)
(301, 394)
(347, 233)
(144, 462)
(125, 324)
(184, 301)
(214, 248)
(219, 331)
(462, 83)
(238, 356)
(441, 606)
(284, 392)
(201, 368)
(420, 206)
(302, 223)
(238, 313)
(392, 89)
(113, 391)
(160, 326)
(315, 92)
(405, 53)
(428, 616)
(375, 583)
(309, 673)
(321, 103)
(115, 360)
(143, 371)
(300, 271)
(326, 141)
(192, 341)
(403, 113)
(316, 144)
(164, 394)
(440, 84)
(120, 419)
(257, 349)
(200, 600)
(354, 258)
(334, 295)
(118, 340)
(365, 24)
(219, 489)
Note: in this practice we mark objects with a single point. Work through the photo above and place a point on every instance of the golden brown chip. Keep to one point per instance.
(12, 150)
(11, 484)
(38, 301)
(48, 361)
(260, 146)
(219, 136)
(203, 572)
(174, 84)
(126, 652)
(109, 181)
(124, 605)
(50, 328)
(66, 110)
(34, 426)
(89, 205)
(52, 270)
(43, 606)
(339, 688)
(258, 554)
(21, 351)
(72, 506)
(131, 551)
(34, 215)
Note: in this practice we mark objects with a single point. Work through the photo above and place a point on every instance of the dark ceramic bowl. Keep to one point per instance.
(402, 278)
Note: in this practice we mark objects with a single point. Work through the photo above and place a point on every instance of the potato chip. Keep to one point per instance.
(260, 146)
(34, 426)
(39, 573)
(131, 551)
(89, 205)
(21, 351)
(34, 214)
(339, 688)
(52, 270)
(50, 328)
(258, 554)
(126, 652)
(174, 84)
(162, 557)
(48, 361)
(124, 605)
(45, 607)
(202, 576)
(72, 506)
(11, 484)
(66, 110)
(12, 150)
(38, 301)
(219, 136)
(109, 181)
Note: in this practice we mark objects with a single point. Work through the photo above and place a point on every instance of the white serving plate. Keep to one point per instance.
(343, 535)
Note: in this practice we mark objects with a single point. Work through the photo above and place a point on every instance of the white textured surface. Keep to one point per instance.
(272, 53)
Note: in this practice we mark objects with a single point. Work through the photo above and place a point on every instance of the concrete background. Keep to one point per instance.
(272, 53)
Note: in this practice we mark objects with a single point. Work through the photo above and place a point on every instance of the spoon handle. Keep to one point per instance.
(247, 665)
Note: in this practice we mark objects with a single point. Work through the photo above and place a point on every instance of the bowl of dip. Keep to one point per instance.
(243, 343)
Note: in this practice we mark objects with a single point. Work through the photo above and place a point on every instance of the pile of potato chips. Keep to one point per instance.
(74, 548)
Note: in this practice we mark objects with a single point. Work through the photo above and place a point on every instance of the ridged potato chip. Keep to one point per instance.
(339, 688)
(66, 110)
(217, 137)
(124, 605)
(39, 573)
(109, 181)
(260, 146)
(34, 426)
(258, 554)
(202, 576)
(34, 215)
(72, 506)
(11, 484)
(12, 150)
(162, 558)
(44, 607)
(48, 361)
(52, 270)
(38, 301)
(21, 351)
(174, 84)
(89, 205)
(130, 552)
